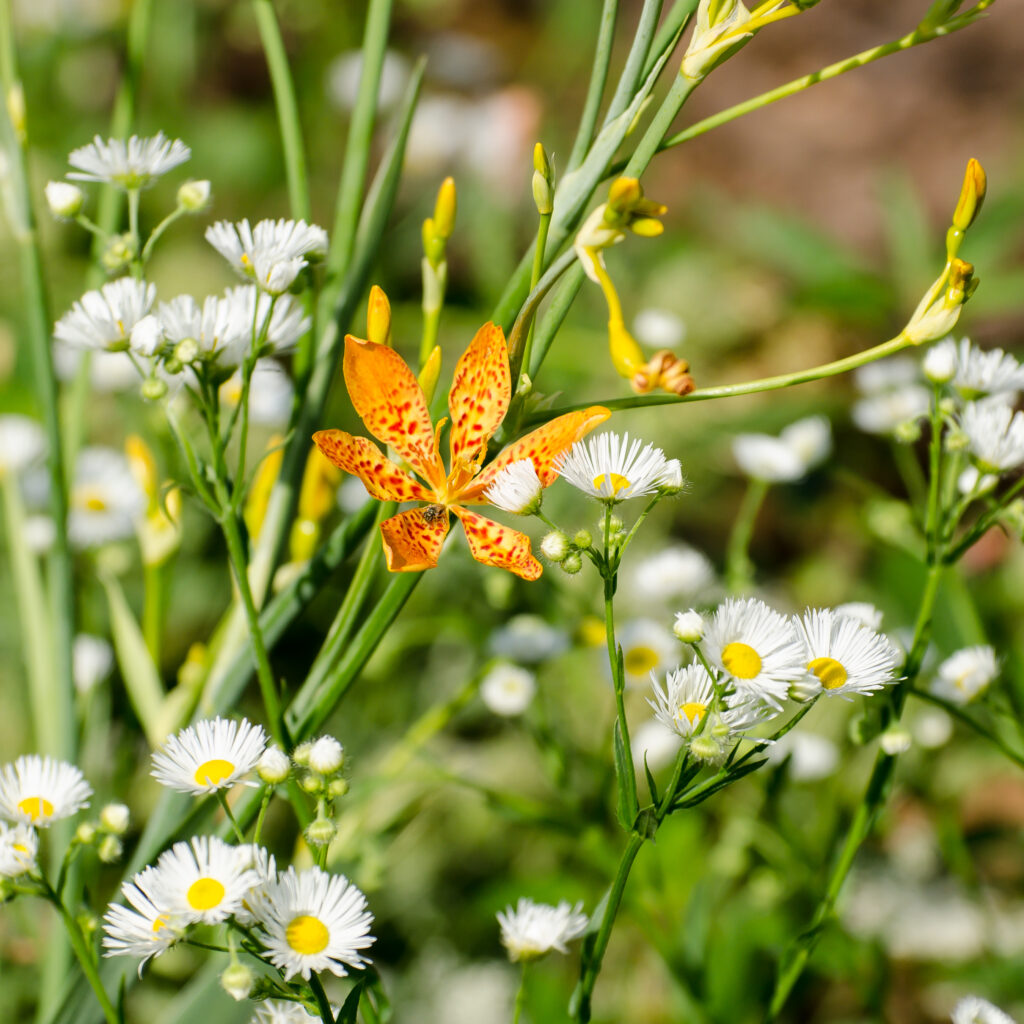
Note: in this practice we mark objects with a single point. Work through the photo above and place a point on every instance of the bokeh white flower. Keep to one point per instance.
(532, 930)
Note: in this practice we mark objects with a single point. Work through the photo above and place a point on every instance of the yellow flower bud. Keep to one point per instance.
(623, 194)
(378, 317)
(262, 484)
(647, 227)
(541, 164)
(972, 195)
(444, 209)
(143, 467)
(430, 373)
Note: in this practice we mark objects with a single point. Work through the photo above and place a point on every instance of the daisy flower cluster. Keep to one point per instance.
(752, 660)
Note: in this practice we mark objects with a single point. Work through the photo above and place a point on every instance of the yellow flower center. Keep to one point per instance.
(639, 661)
(692, 712)
(160, 922)
(618, 482)
(829, 671)
(36, 807)
(245, 261)
(91, 499)
(741, 660)
(213, 772)
(203, 894)
(307, 935)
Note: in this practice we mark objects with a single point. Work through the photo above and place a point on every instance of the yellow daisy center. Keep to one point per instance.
(741, 660)
(618, 482)
(640, 660)
(245, 261)
(203, 894)
(213, 772)
(692, 712)
(307, 935)
(92, 499)
(829, 671)
(36, 807)
(160, 922)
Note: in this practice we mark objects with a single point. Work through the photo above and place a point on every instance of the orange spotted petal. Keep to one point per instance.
(543, 446)
(481, 391)
(494, 544)
(390, 401)
(413, 539)
(362, 458)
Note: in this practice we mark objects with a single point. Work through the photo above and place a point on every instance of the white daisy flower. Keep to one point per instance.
(975, 1010)
(105, 499)
(211, 327)
(679, 571)
(611, 468)
(844, 655)
(248, 307)
(272, 254)
(810, 757)
(688, 696)
(508, 689)
(92, 659)
(104, 319)
(134, 164)
(326, 755)
(966, 674)
(144, 930)
(210, 755)
(883, 413)
(529, 639)
(995, 435)
(203, 880)
(262, 863)
(40, 790)
(756, 647)
(312, 921)
(22, 442)
(276, 1011)
(533, 930)
(973, 483)
(977, 373)
(863, 611)
(788, 457)
(19, 845)
(647, 646)
(270, 393)
(516, 489)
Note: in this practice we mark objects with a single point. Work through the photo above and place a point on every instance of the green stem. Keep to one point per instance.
(133, 230)
(154, 237)
(538, 267)
(268, 793)
(750, 387)
(738, 569)
(652, 139)
(223, 801)
(322, 1002)
(932, 526)
(287, 108)
(595, 90)
(593, 958)
(517, 1012)
(153, 603)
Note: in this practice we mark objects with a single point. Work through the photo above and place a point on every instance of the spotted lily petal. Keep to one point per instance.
(480, 394)
(390, 402)
(543, 446)
(413, 539)
(494, 544)
(362, 458)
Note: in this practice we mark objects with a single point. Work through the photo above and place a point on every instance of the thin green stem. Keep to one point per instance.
(738, 569)
(223, 801)
(652, 139)
(322, 1002)
(268, 794)
(932, 526)
(538, 267)
(153, 604)
(287, 108)
(595, 90)
(517, 1011)
(627, 784)
(154, 237)
(133, 230)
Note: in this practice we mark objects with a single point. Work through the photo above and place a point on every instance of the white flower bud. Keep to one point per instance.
(237, 980)
(110, 849)
(114, 818)
(64, 199)
(85, 833)
(300, 755)
(895, 740)
(320, 832)
(572, 563)
(705, 748)
(273, 766)
(555, 546)
(337, 787)
(940, 362)
(326, 755)
(671, 481)
(311, 783)
(689, 626)
(194, 195)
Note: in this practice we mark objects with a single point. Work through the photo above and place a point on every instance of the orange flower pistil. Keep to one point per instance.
(389, 400)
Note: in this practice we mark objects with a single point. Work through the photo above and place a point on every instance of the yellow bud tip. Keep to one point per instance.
(623, 193)
(972, 195)
(378, 317)
(541, 164)
(444, 208)
(430, 373)
(647, 227)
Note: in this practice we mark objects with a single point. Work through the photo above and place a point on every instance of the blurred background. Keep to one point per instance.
(794, 235)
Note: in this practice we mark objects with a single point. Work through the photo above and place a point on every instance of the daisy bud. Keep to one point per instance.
(947, 406)
(300, 755)
(193, 196)
(555, 546)
(940, 364)
(671, 481)
(572, 563)
(237, 980)
(153, 389)
(311, 783)
(705, 748)
(320, 832)
(64, 199)
(273, 766)
(114, 818)
(582, 539)
(119, 252)
(110, 849)
(895, 740)
(85, 833)
(337, 788)
(907, 432)
(615, 525)
(186, 350)
(689, 627)
(326, 756)
(957, 440)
